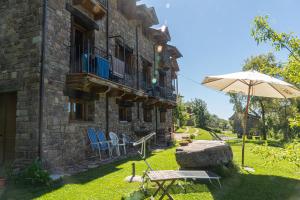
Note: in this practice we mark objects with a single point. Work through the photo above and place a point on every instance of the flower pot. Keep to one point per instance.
(2, 182)
(183, 143)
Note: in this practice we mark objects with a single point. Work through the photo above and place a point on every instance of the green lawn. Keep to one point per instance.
(203, 135)
(181, 130)
(228, 134)
(274, 180)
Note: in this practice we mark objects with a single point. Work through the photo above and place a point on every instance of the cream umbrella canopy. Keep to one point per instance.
(251, 83)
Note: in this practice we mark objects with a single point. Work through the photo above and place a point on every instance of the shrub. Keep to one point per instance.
(226, 170)
(34, 174)
(215, 130)
(290, 153)
(192, 136)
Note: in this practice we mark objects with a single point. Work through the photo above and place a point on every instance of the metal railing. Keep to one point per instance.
(158, 91)
(84, 60)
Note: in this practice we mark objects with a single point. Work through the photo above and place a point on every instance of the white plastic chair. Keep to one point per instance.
(116, 143)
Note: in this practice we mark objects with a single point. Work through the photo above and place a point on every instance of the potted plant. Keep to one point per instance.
(183, 143)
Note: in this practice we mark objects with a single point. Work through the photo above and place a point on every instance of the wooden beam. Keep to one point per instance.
(94, 7)
(130, 96)
(115, 93)
(86, 21)
(99, 89)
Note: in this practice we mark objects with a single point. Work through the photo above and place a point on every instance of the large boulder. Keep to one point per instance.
(203, 154)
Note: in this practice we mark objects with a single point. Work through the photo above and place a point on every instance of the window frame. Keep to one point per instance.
(147, 114)
(128, 59)
(164, 118)
(86, 114)
(125, 114)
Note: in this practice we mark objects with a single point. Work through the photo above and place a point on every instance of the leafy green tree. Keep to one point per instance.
(199, 108)
(264, 63)
(262, 33)
(180, 114)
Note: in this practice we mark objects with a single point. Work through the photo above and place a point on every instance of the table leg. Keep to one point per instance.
(160, 187)
(166, 191)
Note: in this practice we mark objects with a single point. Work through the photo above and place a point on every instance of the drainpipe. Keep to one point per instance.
(107, 53)
(137, 57)
(42, 83)
(106, 113)
(137, 67)
(154, 60)
(107, 28)
(156, 121)
(153, 87)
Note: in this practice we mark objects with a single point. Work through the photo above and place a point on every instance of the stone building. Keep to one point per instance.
(237, 120)
(66, 65)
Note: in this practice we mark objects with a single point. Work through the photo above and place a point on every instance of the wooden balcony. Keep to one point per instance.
(92, 83)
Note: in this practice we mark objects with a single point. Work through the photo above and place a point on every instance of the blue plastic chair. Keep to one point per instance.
(96, 144)
(103, 143)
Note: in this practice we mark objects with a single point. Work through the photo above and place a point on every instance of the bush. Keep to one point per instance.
(226, 170)
(192, 136)
(34, 174)
(290, 153)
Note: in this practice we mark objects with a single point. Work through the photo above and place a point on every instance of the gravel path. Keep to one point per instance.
(178, 136)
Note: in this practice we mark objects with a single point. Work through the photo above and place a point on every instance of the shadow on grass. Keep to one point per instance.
(240, 187)
(260, 187)
(25, 192)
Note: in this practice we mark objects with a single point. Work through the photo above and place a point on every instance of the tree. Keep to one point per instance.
(262, 33)
(180, 114)
(264, 63)
(199, 108)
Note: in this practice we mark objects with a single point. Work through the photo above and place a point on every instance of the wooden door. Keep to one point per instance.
(8, 103)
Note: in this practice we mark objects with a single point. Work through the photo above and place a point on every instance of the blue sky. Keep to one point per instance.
(214, 38)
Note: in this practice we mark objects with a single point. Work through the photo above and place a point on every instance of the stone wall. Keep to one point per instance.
(63, 142)
(20, 45)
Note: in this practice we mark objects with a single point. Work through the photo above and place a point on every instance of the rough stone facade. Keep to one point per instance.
(20, 47)
(64, 142)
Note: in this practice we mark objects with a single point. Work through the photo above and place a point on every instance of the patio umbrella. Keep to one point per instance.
(251, 83)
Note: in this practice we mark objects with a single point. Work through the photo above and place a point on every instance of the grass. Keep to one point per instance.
(181, 130)
(203, 135)
(276, 180)
(228, 133)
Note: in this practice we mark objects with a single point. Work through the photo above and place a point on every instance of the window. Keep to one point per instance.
(163, 116)
(125, 113)
(146, 33)
(81, 110)
(147, 74)
(129, 58)
(161, 80)
(81, 47)
(147, 115)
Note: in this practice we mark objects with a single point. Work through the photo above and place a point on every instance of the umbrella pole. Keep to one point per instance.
(245, 127)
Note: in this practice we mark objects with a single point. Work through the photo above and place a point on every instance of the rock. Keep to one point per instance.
(203, 154)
